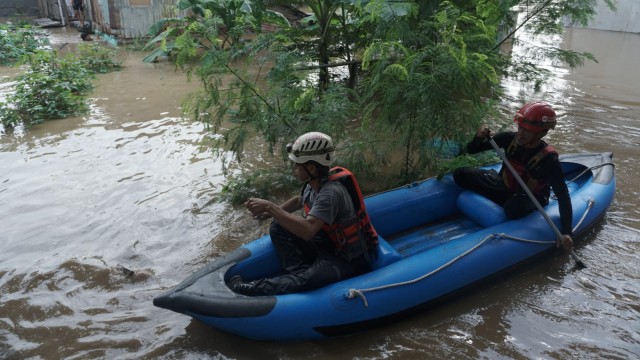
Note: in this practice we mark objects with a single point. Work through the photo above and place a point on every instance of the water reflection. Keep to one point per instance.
(95, 209)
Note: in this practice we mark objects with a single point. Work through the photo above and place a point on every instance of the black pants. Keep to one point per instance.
(306, 264)
(489, 184)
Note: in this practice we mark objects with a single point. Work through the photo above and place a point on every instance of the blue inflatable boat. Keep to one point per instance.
(436, 242)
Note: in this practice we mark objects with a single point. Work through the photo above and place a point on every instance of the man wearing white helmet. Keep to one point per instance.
(306, 245)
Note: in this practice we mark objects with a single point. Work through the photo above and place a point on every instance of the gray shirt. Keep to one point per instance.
(332, 204)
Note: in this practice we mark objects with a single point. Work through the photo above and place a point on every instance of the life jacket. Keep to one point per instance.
(539, 187)
(357, 236)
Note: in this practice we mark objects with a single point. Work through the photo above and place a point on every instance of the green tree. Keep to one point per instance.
(428, 87)
(430, 73)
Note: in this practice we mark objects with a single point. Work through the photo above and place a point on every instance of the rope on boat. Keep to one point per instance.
(360, 293)
(352, 293)
(590, 204)
(591, 168)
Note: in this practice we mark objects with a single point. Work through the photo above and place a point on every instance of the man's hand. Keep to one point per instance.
(566, 243)
(259, 208)
(483, 133)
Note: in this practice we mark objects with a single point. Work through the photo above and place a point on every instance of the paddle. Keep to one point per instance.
(575, 257)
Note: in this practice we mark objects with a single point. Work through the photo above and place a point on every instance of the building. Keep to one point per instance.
(624, 18)
(118, 19)
(9, 8)
(121, 19)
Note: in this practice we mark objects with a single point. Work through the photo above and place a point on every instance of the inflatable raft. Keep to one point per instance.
(437, 241)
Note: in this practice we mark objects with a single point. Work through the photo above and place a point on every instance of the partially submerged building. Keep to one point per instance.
(10, 8)
(122, 19)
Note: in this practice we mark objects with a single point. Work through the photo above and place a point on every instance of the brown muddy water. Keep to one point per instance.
(101, 213)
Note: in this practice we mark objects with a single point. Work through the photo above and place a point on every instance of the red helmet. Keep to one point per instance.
(536, 117)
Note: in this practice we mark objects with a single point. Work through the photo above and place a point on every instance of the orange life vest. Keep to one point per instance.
(539, 187)
(352, 237)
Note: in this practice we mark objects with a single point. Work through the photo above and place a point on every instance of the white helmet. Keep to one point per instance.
(314, 146)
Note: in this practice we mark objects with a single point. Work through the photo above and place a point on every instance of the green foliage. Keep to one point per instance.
(137, 44)
(547, 17)
(97, 58)
(429, 71)
(279, 106)
(439, 93)
(17, 41)
(52, 88)
(254, 86)
(260, 183)
(466, 160)
(234, 17)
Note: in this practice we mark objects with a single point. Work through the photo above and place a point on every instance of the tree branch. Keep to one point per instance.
(536, 12)
(320, 66)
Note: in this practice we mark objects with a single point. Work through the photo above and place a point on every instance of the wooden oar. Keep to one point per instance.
(575, 257)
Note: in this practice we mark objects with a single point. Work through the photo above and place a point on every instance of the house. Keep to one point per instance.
(118, 19)
(9, 8)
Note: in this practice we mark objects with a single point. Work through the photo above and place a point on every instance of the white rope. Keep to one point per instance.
(360, 292)
(590, 204)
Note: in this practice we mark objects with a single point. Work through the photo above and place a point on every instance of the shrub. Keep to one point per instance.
(52, 88)
(97, 58)
(17, 41)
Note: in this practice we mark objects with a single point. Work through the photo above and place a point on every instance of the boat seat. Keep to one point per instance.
(480, 209)
(386, 255)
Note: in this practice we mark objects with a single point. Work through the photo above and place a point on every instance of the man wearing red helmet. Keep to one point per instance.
(535, 161)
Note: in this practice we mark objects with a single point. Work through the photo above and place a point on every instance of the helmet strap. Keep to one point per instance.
(536, 141)
(311, 177)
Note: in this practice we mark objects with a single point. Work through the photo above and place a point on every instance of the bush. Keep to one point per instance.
(262, 183)
(97, 59)
(55, 88)
(52, 88)
(17, 41)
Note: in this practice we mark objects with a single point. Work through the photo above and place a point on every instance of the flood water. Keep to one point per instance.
(100, 213)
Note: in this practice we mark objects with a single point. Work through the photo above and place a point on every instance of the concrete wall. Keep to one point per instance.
(121, 18)
(625, 18)
(9, 8)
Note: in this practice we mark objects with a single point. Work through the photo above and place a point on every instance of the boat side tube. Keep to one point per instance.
(206, 292)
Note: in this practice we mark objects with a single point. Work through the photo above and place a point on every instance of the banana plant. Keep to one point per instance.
(222, 23)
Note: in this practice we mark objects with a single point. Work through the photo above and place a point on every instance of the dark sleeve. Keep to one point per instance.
(556, 180)
(477, 145)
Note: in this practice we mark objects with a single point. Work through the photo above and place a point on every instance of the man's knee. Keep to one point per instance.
(459, 175)
(518, 206)
(276, 229)
(279, 234)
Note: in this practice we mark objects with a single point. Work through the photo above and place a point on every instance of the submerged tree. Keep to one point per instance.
(428, 72)
(52, 88)
(429, 86)
(55, 87)
(18, 41)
